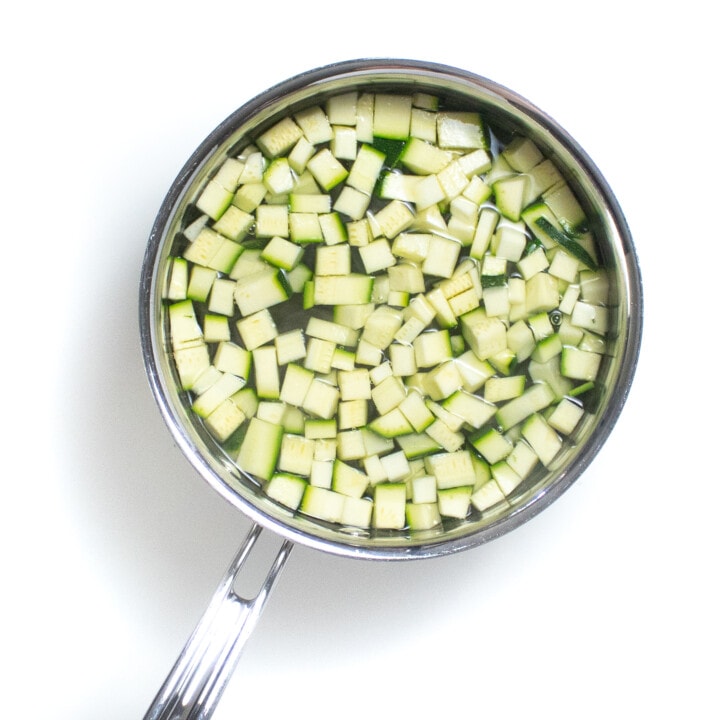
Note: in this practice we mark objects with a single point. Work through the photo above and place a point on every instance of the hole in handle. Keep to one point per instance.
(265, 547)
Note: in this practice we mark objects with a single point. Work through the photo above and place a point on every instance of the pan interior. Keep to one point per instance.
(508, 115)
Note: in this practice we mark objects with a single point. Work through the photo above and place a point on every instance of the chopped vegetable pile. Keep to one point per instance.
(389, 318)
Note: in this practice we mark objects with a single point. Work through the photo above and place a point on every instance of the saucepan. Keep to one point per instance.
(522, 338)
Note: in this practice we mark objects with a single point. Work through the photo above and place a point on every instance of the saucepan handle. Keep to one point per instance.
(201, 672)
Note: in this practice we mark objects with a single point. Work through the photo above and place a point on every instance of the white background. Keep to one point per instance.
(606, 605)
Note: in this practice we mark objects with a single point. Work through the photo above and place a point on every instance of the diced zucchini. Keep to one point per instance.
(422, 516)
(510, 194)
(321, 399)
(356, 512)
(541, 293)
(537, 397)
(203, 248)
(205, 380)
(424, 158)
(199, 283)
(547, 348)
(354, 384)
(267, 374)
(191, 361)
(279, 177)
(374, 443)
(506, 478)
(277, 204)
(549, 373)
(565, 416)
(388, 394)
(474, 410)
(290, 346)
(321, 473)
(564, 205)
(350, 445)
(214, 199)
(443, 380)
(178, 283)
(391, 424)
(351, 289)
(402, 359)
(319, 355)
(315, 124)
(376, 256)
(304, 228)
(260, 448)
(352, 414)
(343, 144)
(226, 385)
(542, 438)
(595, 318)
(280, 138)
(486, 336)
(449, 439)
(484, 231)
(395, 185)
(257, 329)
(216, 328)
(366, 168)
(492, 445)
(259, 291)
(487, 496)
(382, 325)
(451, 469)
(353, 203)
(249, 195)
(296, 454)
(500, 389)
(442, 256)
(391, 116)
(185, 330)
(432, 348)
(298, 157)
(423, 489)
(232, 358)
(327, 169)
(454, 422)
(460, 130)
(287, 489)
(348, 480)
(389, 509)
(319, 429)
(342, 109)
(473, 371)
(222, 295)
(522, 459)
(455, 502)
(296, 384)
(522, 154)
(333, 260)
(417, 445)
(333, 229)
(224, 420)
(393, 218)
(579, 364)
(322, 503)
(282, 253)
(247, 400)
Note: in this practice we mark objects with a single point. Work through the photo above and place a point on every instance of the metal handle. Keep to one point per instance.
(201, 672)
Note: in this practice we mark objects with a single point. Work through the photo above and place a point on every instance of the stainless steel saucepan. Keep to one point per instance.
(195, 684)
